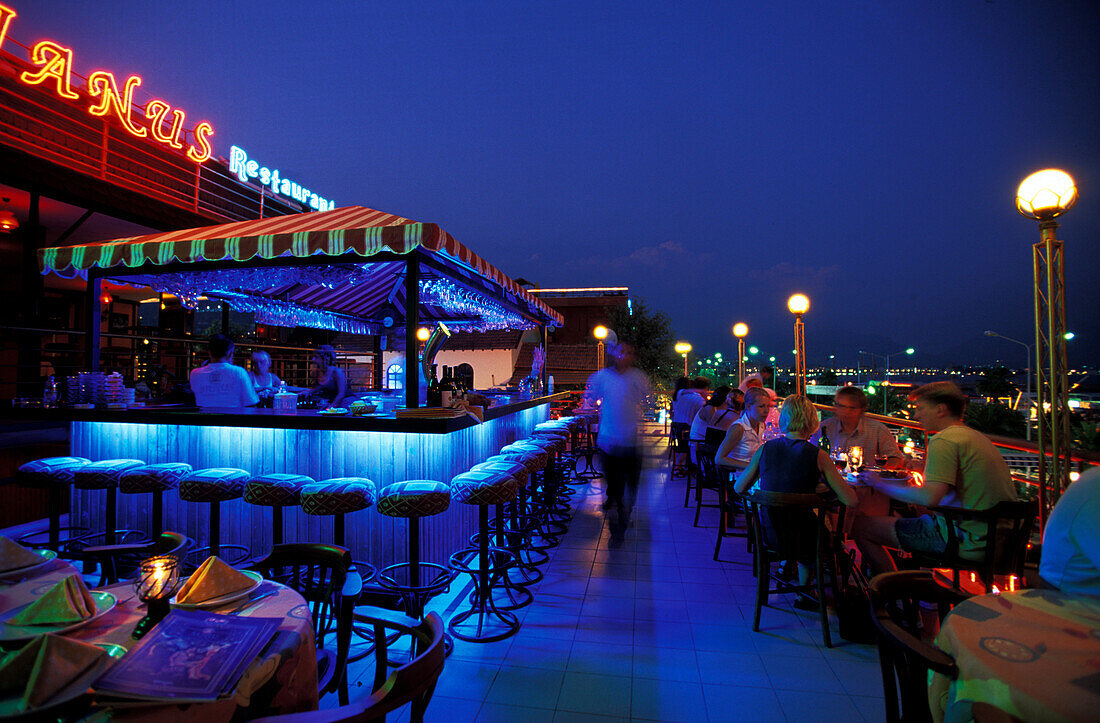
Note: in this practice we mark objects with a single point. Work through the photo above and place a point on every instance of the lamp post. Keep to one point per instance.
(600, 332)
(799, 304)
(1043, 196)
(1027, 417)
(682, 348)
(740, 330)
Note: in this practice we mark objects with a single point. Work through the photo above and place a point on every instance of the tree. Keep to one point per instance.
(995, 418)
(651, 334)
(994, 383)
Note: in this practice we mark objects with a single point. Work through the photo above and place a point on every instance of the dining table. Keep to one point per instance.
(1034, 654)
(282, 678)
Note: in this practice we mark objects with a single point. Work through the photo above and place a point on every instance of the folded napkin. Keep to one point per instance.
(213, 579)
(66, 602)
(42, 669)
(14, 556)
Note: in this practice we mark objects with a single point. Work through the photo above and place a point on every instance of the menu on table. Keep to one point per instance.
(190, 655)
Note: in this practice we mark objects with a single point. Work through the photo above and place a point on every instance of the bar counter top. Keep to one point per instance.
(267, 418)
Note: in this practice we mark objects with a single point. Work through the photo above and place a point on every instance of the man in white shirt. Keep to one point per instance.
(621, 390)
(221, 383)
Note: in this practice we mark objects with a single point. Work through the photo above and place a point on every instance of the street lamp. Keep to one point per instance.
(740, 330)
(600, 332)
(682, 348)
(1043, 196)
(1027, 416)
(798, 305)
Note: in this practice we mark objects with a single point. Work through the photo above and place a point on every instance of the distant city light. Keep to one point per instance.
(1069, 335)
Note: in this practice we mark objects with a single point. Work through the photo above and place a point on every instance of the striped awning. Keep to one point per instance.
(344, 234)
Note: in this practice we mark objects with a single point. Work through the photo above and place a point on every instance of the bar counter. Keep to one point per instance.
(262, 441)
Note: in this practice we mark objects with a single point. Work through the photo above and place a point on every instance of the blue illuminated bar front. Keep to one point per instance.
(384, 457)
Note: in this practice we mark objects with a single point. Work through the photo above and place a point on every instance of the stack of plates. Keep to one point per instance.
(430, 413)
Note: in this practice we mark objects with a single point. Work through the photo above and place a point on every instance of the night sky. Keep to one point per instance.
(714, 157)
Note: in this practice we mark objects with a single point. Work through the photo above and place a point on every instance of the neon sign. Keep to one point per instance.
(247, 168)
(55, 68)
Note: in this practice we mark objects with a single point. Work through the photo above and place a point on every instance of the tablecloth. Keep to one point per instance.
(1034, 654)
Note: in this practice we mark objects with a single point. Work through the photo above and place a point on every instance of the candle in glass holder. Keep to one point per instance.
(855, 457)
(157, 578)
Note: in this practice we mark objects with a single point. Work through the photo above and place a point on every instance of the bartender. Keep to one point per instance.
(331, 382)
(221, 383)
(264, 382)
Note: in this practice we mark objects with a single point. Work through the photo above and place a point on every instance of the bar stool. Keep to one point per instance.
(54, 474)
(104, 475)
(155, 479)
(338, 496)
(413, 499)
(484, 563)
(276, 491)
(510, 534)
(214, 486)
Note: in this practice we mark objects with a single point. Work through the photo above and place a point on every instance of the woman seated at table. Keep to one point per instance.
(743, 436)
(331, 382)
(264, 382)
(712, 421)
(795, 465)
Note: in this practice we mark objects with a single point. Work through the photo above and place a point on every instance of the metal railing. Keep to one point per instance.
(144, 357)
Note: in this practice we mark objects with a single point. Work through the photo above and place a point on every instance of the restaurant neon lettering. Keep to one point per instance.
(55, 66)
(247, 168)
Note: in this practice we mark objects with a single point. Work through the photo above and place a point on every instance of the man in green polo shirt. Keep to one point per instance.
(962, 469)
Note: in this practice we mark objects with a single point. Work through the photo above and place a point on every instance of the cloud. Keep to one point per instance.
(785, 271)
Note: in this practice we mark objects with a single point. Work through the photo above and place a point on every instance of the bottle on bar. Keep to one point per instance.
(434, 399)
(446, 388)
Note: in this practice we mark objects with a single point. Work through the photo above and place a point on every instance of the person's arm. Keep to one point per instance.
(929, 494)
(748, 477)
(838, 484)
(729, 443)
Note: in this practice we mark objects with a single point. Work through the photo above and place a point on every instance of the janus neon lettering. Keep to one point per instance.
(247, 169)
(54, 69)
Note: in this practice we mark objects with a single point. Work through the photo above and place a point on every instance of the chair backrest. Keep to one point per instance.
(905, 657)
(708, 470)
(1008, 530)
(121, 561)
(759, 500)
(317, 572)
(413, 682)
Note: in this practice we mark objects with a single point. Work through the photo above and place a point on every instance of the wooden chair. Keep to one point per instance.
(319, 573)
(413, 682)
(121, 561)
(906, 658)
(707, 479)
(730, 504)
(766, 551)
(1008, 528)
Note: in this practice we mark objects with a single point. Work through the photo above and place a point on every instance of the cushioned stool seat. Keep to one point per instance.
(414, 498)
(53, 474)
(104, 475)
(49, 471)
(155, 479)
(152, 478)
(276, 491)
(486, 564)
(338, 496)
(214, 486)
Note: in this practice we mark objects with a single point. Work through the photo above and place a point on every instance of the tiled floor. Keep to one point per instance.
(653, 630)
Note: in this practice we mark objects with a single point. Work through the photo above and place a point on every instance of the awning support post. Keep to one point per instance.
(92, 319)
(412, 323)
